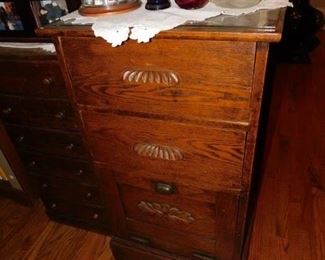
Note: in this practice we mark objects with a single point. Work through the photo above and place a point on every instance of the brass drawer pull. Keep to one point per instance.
(7, 111)
(70, 147)
(203, 256)
(80, 172)
(31, 164)
(48, 81)
(45, 186)
(164, 188)
(20, 139)
(156, 151)
(60, 115)
(89, 195)
(95, 216)
(53, 205)
(141, 240)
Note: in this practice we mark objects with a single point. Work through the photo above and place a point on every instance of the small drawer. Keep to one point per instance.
(93, 215)
(37, 112)
(198, 80)
(207, 157)
(32, 78)
(47, 141)
(50, 187)
(172, 241)
(171, 211)
(47, 165)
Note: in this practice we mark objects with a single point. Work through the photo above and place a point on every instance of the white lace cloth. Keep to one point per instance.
(142, 24)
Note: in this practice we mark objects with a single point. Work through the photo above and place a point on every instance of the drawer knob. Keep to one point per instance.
(80, 172)
(164, 188)
(95, 216)
(69, 147)
(53, 205)
(203, 256)
(60, 115)
(141, 240)
(45, 185)
(7, 111)
(47, 81)
(20, 139)
(31, 164)
(89, 195)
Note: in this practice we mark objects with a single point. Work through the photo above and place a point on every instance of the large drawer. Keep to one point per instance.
(49, 113)
(32, 78)
(170, 211)
(62, 167)
(193, 155)
(200, 80)
(47, 141)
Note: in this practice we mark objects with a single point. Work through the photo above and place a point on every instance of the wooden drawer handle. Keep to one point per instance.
(141, 240)
(60, 115)
(164, 188)
(48, 81)
(7, 111)
(156, 151)
(203, 256)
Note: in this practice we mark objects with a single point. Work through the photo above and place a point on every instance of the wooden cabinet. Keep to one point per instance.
(171, 127)
(43, 127)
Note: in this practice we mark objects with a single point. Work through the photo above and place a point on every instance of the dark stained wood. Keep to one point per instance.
(212, 158)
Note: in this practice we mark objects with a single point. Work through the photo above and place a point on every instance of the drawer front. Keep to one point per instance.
(32, 78)
(93, 215)
(50, 187)
(188, 154)
(67, 168)
(47, 141)
(200, 80)
(37, 112)
(170, 240)
(173, 212)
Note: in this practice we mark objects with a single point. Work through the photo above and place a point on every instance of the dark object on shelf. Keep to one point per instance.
(302, 22)
(157, 4)
(191, 4)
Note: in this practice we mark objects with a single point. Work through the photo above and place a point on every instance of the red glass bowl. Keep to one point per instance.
(191, 4)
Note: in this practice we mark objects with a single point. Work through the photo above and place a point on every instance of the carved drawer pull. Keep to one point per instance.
(203, 256)
(168, 78)
(48, 81)
(158, 151)
(7, 111)
(141, 240)
(165, 212)
(164, 188)
(60, 115)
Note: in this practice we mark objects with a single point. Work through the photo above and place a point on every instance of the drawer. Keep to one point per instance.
(50, 187)
(93, 215)
(200, 80)
(71, 169)
(32, 78)
(205, 157)
(171, 211)
(171, 241)
(47, 141)
(37, 112)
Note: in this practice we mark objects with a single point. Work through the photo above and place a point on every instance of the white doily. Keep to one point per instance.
(142, 24)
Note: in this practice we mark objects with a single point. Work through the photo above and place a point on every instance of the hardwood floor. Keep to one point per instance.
(290, 216)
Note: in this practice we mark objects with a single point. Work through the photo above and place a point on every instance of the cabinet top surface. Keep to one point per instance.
(265, 25)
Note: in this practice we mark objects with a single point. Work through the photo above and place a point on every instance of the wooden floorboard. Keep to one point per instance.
(290, 214)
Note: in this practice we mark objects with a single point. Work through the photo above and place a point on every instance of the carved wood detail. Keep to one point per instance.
(158, 151)
(168, 78)
(165, 212)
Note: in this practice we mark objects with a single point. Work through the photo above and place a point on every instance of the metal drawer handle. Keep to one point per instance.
(60, 115)
(53, 205)
(164, 188)
(7, 111)
(20, 139)
(89, 195)
(31, 164)
(69, 147)
(45, 186)
(203, 256)
(48, 81)
(80, 172)
(141, 240)
(156, 151)
(95, 216)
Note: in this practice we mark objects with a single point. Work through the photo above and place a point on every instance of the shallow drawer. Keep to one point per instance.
(47, 165)
(32, 78)
(189, 154)
(202, 80)
(51, 187)
(47, 141)
(37, 112)
(170, 211)
(93, 215)
(171, 241)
